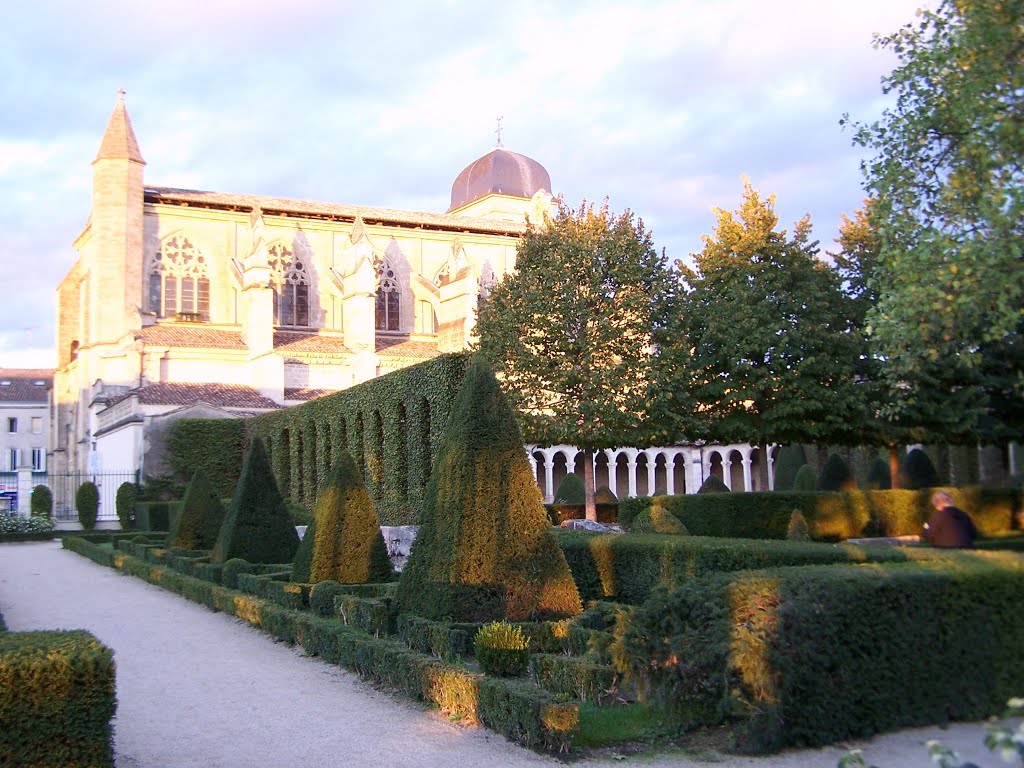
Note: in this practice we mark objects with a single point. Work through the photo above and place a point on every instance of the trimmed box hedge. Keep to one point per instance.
(156, 515)
(580, 677)
(57, 700)
(811, 656)
(831, 516)
(516, 709)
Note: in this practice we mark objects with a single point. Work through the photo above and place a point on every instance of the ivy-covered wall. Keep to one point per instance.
(390, 425)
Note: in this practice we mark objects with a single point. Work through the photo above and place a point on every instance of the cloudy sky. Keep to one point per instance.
(659, 105)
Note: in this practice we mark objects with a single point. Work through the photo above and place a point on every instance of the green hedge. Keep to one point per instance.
(627, 567)
(370, 614)
(811, 656)
(156, 515)
(391, 426)
(579, 677)
(57, 700)
(517, 710)
(214, 446)
(833, 516)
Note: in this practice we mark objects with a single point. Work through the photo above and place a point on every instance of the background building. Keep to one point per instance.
(24, 428)
(231, 304)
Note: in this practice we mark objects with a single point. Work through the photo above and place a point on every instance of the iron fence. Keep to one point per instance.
(64, 486)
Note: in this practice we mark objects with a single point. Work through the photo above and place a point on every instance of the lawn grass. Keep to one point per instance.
(620, 723)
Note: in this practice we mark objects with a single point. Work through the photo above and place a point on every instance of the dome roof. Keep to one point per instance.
(499, 172)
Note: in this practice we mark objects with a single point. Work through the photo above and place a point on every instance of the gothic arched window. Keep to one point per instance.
(291, 287)
(388, 297)
(178, 280)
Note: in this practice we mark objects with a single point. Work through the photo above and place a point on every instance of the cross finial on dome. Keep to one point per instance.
(498, 131)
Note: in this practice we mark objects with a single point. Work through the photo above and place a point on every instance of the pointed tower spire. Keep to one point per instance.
(119, 141)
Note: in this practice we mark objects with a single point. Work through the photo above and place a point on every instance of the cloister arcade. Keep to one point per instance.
(651, 471)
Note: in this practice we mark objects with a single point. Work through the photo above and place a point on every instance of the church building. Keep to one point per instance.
(193, 303)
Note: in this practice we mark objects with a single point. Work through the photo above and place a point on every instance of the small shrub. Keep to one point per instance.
(87, 500)
(127, 494)
(917, 471)
(714, 484)
(879, 477)
(41, 501)
(657, 519)
(571, 490)
(836, 475)
(14, 525)
(797, 530)
(805, 480)
(502, 649)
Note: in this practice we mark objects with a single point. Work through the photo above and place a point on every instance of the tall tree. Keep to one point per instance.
(774, 355)
(582, 335)
(948, 180)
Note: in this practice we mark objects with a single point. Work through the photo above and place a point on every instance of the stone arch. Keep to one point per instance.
(178, 282)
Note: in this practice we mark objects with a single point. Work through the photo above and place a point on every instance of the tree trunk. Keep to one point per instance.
(894, 465)
(588, 484)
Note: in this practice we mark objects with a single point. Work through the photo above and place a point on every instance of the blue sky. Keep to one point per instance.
(659, 106)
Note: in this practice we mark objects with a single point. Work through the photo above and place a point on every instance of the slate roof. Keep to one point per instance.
(217, 395)
(298, 341)
(272, 206)
(23, 387)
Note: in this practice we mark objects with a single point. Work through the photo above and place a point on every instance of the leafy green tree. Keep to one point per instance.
(774, 357)
(948, 181)
(584, 335)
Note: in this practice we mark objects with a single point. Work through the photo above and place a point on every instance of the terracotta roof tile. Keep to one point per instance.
(370, 214)
(195, 336)
(298, 341)
(217, 395)
(23, 387)
(306, 394)
(421, 350)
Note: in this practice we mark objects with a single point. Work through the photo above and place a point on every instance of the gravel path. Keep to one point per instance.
(198, 688)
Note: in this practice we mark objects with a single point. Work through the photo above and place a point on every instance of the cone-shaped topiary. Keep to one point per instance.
(257, 527)
(805, 480)
(714, 484)
(879, 477)
(198, 523)
(836, 475)
(344, 543)
(124, 503)
(918, 471)
(797, 529)
(571, 490)
(657, 519)
(484, 550)
(788, 463)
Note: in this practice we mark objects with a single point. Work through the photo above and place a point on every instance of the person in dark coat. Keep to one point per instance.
(949, 526)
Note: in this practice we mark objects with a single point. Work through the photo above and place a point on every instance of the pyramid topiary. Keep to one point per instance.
(714, 484)
(787, 464)
(836, 475)
(657, 519)
(805, 480)
(918, 471)
(257, 527)
(571, 490)
(198, 523)
(344, 542)
(879, 478)
(797, 529)
(484, 550)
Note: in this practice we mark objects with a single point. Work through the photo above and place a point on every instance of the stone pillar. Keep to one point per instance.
(631, 472)
(613, 471)
(652, 465)
(748, 481)
(727, 471)
(549, 478)
(25, 489)
(695, 470)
